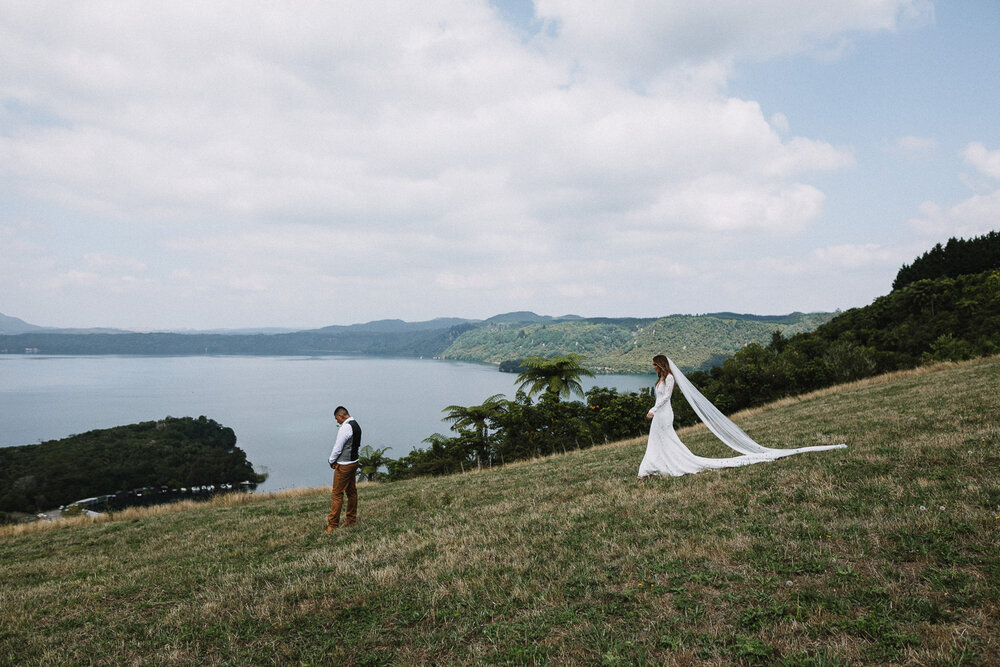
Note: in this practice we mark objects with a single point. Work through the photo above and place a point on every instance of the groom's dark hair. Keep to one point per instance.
(341, 411)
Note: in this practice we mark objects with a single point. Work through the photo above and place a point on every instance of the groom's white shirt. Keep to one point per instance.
(343, 435)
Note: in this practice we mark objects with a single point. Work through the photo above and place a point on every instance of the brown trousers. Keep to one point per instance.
(344, 482)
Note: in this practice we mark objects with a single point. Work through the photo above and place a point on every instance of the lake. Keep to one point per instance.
(281, 408)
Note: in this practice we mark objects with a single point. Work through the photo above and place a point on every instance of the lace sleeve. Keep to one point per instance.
(663, 392)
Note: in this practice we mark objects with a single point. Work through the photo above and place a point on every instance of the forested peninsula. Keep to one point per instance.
(161, 459)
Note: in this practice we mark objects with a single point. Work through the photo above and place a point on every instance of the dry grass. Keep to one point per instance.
(818, 559)
(222, 500)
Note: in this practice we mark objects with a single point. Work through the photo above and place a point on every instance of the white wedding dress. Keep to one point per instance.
(665, 453)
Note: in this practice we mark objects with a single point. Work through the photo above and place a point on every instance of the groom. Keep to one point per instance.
(344, 461)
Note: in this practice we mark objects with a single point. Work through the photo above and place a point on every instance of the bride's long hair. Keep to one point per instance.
(662, 367)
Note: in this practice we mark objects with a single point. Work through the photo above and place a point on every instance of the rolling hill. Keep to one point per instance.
(626, 345)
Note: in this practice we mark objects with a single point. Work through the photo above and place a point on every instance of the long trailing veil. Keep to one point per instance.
(725, 430)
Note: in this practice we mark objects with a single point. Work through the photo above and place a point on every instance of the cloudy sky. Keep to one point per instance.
(239, 164)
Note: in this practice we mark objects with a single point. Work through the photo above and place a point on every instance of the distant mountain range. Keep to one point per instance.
(608, 344)
(12, 325)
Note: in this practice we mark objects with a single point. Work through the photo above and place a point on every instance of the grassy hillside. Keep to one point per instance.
(627, 345)
(885, 552)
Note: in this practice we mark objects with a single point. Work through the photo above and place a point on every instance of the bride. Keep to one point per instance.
(667, 455)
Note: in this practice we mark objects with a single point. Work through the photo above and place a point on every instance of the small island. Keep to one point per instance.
(154, 461)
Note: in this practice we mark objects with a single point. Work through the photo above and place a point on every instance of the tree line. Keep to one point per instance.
(500, 431)
(958, 257)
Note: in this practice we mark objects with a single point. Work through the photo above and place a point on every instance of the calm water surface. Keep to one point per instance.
(281, 408)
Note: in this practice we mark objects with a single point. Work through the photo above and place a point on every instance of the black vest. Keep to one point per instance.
(353, 444)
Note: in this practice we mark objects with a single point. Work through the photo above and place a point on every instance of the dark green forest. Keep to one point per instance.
(172, 452)
(958, 257)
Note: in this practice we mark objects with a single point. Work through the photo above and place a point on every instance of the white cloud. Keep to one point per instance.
(972, 217)
(719, 202)
(391, 114)
(288, 151)
(781, 123)
(839, 260)
(651, 38)
(986, 161)
(850, 257)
